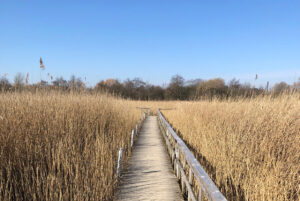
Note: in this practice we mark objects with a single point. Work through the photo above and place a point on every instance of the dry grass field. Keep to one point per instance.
(250, 148)
(62, 146)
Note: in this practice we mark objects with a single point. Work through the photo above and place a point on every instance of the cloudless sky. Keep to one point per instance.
(152, 39)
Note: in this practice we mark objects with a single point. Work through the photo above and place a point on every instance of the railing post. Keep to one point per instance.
(177, 169)
(119, 168)
(132, 135)
(190, 176)
(199, 194)
(183, 163)
(173, 160)
(136, 130)
(190, 182)
(177, 160)
(183, 187)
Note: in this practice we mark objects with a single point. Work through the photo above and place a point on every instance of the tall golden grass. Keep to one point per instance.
(62, 146)
(250, 148)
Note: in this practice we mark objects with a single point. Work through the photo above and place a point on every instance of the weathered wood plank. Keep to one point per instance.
(149, 175)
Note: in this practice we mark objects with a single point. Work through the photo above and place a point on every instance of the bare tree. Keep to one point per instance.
(60, 82)
(296, 85)
(234, 84)
(280, 88)
(212, 88)
(175, 90)
(75, 83)
(19, 81)
(4, 83)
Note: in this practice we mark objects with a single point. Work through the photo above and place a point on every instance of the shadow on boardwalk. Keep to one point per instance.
(149, 175)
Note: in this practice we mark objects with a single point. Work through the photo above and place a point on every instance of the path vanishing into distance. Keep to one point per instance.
(149, 174)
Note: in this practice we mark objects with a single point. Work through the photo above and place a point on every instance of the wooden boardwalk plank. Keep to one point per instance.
(149, 175)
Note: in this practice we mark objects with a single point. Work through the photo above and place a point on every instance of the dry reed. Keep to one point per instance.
(62, 147)
(250, 148)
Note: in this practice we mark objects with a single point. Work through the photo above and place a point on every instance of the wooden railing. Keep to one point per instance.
(134, 134)
(195, 182)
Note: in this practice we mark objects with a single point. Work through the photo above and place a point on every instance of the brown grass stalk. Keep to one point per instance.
(62, 147)
(250, 148)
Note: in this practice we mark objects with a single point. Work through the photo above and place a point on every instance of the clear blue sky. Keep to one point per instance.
(152, 39)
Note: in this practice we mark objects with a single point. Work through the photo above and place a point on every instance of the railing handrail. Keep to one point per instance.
(207, 185)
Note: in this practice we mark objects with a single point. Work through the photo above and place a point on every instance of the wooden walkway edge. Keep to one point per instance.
(149, 175)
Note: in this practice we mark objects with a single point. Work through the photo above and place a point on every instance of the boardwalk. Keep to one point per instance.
(149, 175)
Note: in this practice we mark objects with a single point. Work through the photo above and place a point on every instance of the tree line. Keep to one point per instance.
(181, 89)
(177, 89)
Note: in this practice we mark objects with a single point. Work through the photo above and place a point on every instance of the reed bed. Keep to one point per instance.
(62, 146)
(250, 148)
